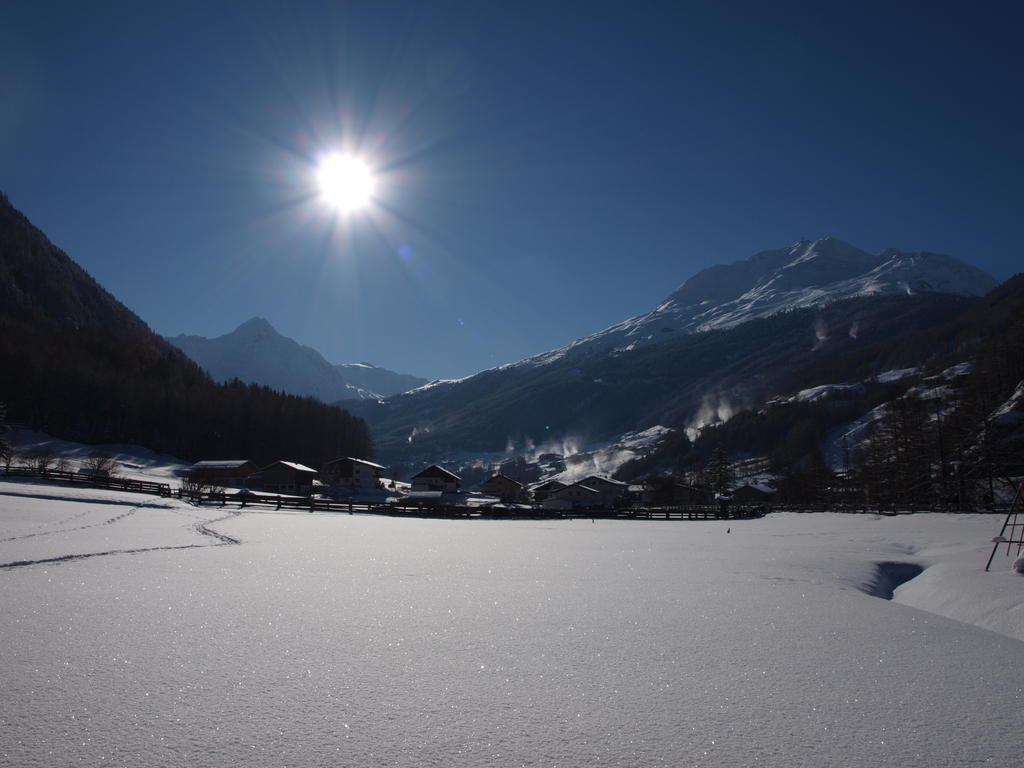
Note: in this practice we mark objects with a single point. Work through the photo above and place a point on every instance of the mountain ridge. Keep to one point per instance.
(256, 352)
(807, 273)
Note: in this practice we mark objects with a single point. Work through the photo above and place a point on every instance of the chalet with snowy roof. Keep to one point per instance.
(543, 491)
(356, 474)
(612, 491)
(505, 488)
(435, 478)
(753, 493)
(424, 498)
(285, 477)
(227, 473)
(575, 496)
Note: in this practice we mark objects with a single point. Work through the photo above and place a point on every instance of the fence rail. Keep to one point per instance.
(94, 481)
(411, 509)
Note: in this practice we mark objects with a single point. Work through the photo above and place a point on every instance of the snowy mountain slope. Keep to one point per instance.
(780, 322)
(380, 380)
(598, 397)
(805, 274)
(256, 352)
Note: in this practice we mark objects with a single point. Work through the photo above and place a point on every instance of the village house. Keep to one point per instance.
(612, 491)
(752, 493)
(285, 477)
(505, 488)
(435, 478)
(353, 474)
(543, 491)
(226, 473)
(576, 496)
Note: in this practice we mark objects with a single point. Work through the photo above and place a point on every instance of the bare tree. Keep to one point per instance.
(99, 464)
(41, 459)
(196, 484)
(193, 487)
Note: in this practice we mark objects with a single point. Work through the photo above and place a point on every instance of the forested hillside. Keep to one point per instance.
(76, 363)
(948, 434)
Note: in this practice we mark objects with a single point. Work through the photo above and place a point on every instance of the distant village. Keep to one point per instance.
(361, 481)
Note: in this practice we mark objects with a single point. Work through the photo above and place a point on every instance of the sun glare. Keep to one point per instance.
(346, 182)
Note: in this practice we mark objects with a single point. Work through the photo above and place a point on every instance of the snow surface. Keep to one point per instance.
(129, 461)
(887, 377)
(333, 639)
(812, 394)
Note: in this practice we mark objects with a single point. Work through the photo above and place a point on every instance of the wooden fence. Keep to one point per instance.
(93, 481)
(412, 509)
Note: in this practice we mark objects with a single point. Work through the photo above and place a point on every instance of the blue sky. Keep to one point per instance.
(544, 169)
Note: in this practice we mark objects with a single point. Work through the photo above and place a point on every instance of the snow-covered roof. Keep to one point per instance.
(598, 480)
(414, 495)
(580, 486)
(548, 484)
(291, 465)
(435, 471)
(357, 461)
(502, 477)
(221, 464)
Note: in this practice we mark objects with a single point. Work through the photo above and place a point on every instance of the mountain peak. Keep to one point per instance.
(258, 325)
(255, 351)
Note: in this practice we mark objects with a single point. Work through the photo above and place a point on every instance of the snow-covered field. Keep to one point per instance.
(133, 635)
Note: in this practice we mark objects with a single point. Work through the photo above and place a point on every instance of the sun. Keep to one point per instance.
(346, 182)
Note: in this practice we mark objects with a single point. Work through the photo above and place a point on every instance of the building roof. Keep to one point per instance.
(291, 465)
(581, 486)
(421, 495)
(599, 479)
(435, 471)
(549, 484)
(221, 464)
(499, 477)
(357, 461)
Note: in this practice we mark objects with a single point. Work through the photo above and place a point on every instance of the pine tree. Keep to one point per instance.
(719, 473)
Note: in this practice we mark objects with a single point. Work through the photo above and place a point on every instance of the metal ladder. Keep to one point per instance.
(1014, 525)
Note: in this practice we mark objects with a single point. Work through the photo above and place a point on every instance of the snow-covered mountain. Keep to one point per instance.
(731, 336)
(807, 273)
(255, 352)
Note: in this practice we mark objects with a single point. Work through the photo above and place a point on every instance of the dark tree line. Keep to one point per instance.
(87, 386)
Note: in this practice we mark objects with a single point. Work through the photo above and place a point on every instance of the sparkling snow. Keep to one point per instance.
(327, 639)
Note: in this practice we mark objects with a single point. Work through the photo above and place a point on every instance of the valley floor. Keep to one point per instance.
(144, 631)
